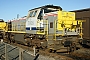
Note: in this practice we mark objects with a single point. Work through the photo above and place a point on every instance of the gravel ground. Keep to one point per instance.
(83, 53)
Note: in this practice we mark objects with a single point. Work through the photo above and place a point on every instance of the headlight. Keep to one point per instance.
(31, 38)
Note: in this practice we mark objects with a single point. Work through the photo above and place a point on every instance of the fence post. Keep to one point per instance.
(6, 56)
(34, 51)
(20, 54)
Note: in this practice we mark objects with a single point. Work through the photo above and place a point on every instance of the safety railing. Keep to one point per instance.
(45, 25)
(55, 28)
(17, 28)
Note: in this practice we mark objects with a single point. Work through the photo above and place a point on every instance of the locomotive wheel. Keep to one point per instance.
(53, 51)
(43, 47)
(72, 47)
(29, 44)
(13, 41)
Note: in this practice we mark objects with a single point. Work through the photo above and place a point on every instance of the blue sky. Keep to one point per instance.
(10, 8)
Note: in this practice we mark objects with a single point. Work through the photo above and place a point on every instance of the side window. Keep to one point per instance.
(31, 13)
(35, 13)
(51, 24)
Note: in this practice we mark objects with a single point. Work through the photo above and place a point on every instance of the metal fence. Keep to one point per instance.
(9, 52)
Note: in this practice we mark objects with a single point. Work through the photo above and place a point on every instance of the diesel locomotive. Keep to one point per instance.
(47, 27)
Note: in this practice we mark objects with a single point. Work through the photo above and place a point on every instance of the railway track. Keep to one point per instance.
(81, 54)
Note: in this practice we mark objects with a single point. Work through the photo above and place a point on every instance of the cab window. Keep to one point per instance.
(35, 13)
(31, 13)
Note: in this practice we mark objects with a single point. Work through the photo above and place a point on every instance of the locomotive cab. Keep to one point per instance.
(36, 19)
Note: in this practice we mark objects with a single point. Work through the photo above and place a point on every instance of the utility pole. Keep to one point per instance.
(17, 16)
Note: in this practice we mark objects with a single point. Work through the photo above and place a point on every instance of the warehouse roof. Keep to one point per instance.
(86, 9)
